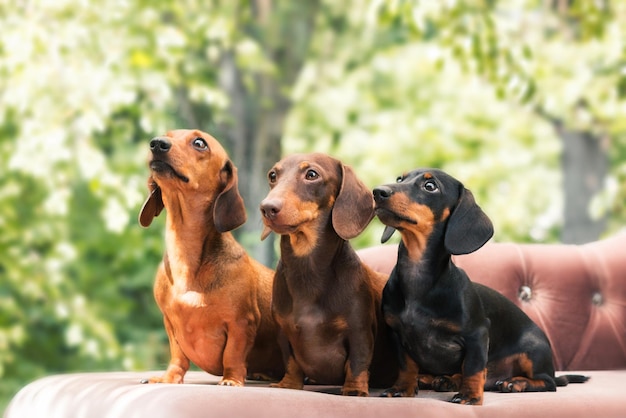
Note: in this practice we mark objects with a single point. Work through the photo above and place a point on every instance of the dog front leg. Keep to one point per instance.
(361, 343)
(179, 363)
(356, 384)
(474, 369)
(406, 383)
(239, 341)
(293, 378)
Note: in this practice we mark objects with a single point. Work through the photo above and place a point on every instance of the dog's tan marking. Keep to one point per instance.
(472, 388)
(414, 235)
(444, 215)
(406, 384)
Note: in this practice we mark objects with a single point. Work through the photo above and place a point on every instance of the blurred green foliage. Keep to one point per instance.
(387, 86)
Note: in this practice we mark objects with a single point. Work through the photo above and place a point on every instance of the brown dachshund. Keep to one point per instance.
(326, 302)
(468, 335)
(215, 299)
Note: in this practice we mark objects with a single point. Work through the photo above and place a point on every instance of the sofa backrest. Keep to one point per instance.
(575, 293)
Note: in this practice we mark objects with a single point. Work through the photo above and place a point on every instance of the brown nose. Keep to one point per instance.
(271, 207)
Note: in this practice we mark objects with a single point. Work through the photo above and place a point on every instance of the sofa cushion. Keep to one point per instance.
(119, 394)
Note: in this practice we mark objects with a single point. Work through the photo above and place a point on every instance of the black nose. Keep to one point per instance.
(160, 145)
(271, 207)
(382, 193)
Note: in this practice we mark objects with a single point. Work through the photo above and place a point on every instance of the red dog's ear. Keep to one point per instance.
(468, 228)
(354, 206)
(229, 211)
(153, 205)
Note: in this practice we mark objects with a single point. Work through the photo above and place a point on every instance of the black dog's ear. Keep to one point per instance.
(468, 228)
(153, 205)
(354, 206)
(229, 211)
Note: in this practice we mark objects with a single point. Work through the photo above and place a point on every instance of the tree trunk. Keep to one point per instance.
(258, 110)
(584, 163)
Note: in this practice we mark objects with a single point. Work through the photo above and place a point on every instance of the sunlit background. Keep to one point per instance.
(522, 100)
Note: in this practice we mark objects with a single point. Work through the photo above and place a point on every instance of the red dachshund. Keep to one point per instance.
(215, 299)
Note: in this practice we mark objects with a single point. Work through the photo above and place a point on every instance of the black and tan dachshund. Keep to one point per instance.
(469, 336)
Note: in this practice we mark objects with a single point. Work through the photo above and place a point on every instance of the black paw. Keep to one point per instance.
(391, 393)
(397, 393)
(466, 400)
(512, 386)
(444, 384)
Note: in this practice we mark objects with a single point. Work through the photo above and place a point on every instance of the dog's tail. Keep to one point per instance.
(565, 379)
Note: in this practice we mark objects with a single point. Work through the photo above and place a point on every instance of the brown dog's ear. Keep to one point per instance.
(152, 206)
(354, 206)
(468, 228)
(229, 211)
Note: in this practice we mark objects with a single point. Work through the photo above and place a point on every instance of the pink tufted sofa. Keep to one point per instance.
(576, 294)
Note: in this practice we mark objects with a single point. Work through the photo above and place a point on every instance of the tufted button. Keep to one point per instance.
(525, 293)
(597, 299)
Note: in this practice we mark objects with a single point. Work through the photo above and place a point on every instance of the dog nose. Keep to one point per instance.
(382, 193)
(160, 145)
(271, 207)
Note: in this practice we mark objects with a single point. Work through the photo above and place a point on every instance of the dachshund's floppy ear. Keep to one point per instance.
(354, 206)
(152, 206)
(229, 211)
(468, 228)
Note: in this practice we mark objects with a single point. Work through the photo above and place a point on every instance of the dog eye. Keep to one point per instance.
(430, 186)
(271, 176)
(311, 175)
(399, 179)
(199, 144)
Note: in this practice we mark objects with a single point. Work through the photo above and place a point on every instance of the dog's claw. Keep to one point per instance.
(229, 382)
(507, 387)
(465, 400)
(394, 393)
(144, 381)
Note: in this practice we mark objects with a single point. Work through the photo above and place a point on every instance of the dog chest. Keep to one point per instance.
(319, 344)
(435, 344)
(202, 327)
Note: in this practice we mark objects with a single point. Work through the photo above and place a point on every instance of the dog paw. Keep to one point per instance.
(512, 386)
(230, 382)
(354, 392)
(163, 379)
(260, 377)
(425, 381)
(394, 392)
(286, 385)
(462, 399)
(444, 384)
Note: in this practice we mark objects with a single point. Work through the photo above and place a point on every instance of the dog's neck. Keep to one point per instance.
(311, 271)
(423, 273)
(191, 239)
